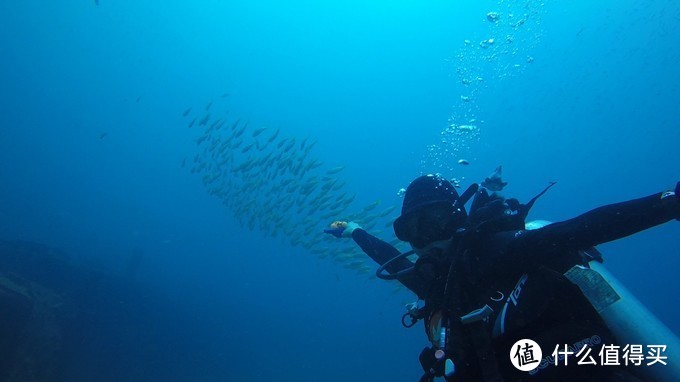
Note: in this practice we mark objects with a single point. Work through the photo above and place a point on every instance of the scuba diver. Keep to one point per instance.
(485, 281)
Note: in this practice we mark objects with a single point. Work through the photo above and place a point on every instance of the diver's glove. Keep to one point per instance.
(342, 229)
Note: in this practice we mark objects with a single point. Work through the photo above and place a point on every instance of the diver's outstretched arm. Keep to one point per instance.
(381, 252)
(607, 223)
(378, 250)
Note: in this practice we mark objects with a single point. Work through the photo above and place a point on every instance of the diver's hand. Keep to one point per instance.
(349, 228)
(342, 229)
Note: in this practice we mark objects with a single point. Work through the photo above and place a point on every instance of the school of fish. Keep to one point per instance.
(273, 183)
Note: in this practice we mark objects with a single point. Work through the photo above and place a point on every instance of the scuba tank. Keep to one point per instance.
(627, 318)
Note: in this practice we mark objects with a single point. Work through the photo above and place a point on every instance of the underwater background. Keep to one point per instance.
(206, 241)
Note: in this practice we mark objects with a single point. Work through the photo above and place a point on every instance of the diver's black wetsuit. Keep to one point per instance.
(519, 274)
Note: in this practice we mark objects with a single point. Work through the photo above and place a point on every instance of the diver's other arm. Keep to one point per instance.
(610, 222)
(382, 252)
(378, 250)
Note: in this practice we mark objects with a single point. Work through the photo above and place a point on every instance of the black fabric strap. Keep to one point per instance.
(481, 340)
(457, 296)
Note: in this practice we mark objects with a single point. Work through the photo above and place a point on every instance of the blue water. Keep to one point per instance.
(92, 142)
